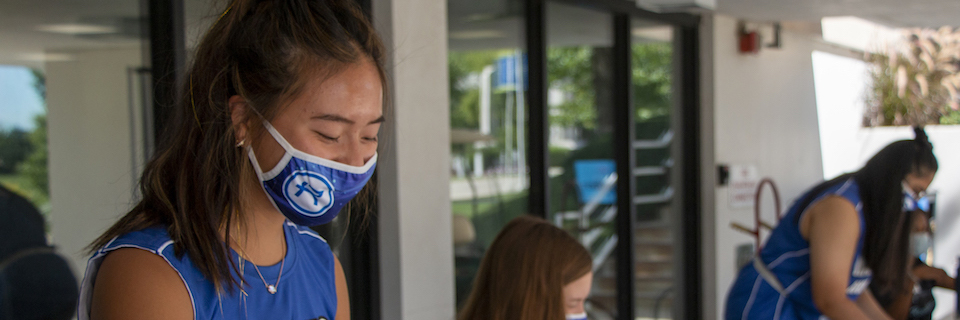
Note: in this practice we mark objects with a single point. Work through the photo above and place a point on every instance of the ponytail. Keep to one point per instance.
(264, 51)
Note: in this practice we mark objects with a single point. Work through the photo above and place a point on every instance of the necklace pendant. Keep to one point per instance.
(272, 289)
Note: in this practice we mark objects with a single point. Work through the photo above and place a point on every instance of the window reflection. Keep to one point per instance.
(488, 110)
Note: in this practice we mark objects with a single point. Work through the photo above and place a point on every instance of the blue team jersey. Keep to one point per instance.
(787, 255)
(307, 288)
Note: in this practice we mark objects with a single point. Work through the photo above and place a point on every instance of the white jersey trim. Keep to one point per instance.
(306, 232)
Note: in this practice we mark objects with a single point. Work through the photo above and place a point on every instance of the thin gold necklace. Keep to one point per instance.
(271, 288)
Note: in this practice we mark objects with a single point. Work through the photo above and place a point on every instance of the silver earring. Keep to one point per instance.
(240, 144)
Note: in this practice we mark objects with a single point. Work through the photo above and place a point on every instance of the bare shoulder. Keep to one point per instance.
(343, 294)
(835, 211)
(135, 283)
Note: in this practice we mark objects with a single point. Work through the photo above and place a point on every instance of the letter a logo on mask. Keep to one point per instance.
(309, 193)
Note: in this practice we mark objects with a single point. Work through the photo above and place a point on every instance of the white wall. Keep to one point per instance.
(765, 115)
(89, 139)
(416, 251)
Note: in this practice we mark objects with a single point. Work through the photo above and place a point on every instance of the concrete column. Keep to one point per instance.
(94, 160)
(416, 248)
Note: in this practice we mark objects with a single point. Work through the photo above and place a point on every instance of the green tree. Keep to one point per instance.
(569, 70)
(465, 97)
(34, 167)
(652, 81)
(14, 147)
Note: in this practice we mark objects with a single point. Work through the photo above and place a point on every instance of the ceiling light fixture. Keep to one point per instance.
(76, 29)
(476, 34)
(46, 57)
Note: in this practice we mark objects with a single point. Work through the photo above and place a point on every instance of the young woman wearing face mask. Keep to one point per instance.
(276, 131)
(917, 303)
(835, 240)
(532, 270)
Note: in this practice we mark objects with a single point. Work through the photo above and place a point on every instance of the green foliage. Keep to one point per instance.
(14, 147)
(951, 118)
(27, 173)
(569, 70)
(652, 79)
(558, 156)
(34, 168)
(464, 99)
(917, 84)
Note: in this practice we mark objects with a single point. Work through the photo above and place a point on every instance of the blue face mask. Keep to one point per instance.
(919, 244)
(913, 201)
(578, 316)
(307, 189)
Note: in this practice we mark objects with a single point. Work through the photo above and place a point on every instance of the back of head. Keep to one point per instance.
(21, 225)
(264, 51)
(523, 273)
(881, 190)
(35, 282)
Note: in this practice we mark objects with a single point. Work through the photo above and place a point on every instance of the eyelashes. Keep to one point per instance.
(337, 139)
(328, 138)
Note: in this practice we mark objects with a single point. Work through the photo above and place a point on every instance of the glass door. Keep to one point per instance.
(581, 112)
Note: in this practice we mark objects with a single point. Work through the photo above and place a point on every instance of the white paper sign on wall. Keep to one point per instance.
(743, 185)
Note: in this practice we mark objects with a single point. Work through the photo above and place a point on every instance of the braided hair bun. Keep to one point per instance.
(920, 137)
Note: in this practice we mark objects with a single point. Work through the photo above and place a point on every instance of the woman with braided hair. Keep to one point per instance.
(835, 240)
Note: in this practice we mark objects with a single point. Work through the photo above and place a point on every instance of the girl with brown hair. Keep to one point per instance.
(533, 270)
(276, 130)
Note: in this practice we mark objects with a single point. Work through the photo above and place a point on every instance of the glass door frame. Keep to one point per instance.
(687, 103)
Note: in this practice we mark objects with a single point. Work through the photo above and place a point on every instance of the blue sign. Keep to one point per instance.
(507, 73)
(590, 174)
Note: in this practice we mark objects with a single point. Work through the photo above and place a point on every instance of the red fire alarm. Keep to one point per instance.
(749, 42)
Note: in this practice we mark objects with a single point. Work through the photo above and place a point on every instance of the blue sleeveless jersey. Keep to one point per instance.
(787, 255)
(307, 288)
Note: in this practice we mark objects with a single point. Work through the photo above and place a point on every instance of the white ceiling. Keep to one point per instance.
(22, 44)
(894, 13)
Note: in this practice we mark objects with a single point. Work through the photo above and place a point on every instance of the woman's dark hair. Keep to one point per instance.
(881, 192)
(264, 51)
(523, 274)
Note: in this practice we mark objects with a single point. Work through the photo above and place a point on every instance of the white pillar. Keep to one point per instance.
(485, 93)
(416, 248)
(94, 158)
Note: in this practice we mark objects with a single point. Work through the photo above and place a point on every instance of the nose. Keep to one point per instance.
(354, 155)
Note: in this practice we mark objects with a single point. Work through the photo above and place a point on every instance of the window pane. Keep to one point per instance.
(488, 110)
(581, 113)
(657, 209)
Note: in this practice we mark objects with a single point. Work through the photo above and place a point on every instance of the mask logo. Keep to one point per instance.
(309, 193)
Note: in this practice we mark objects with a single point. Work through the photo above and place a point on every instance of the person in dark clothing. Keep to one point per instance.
(35, 282)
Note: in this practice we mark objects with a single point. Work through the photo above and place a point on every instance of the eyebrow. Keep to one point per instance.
(338, 118)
